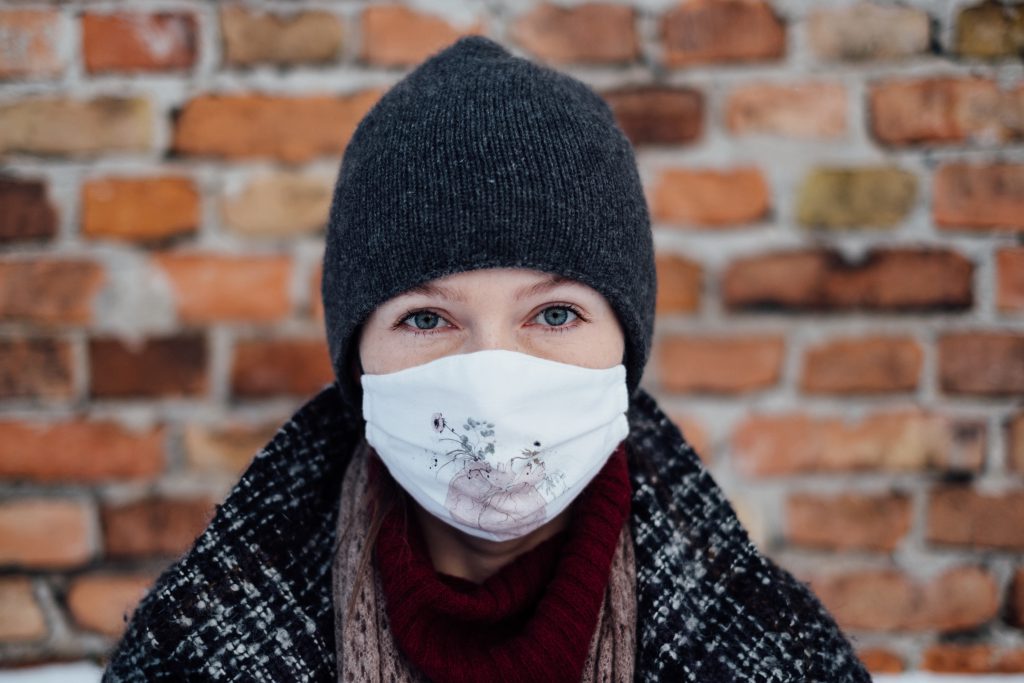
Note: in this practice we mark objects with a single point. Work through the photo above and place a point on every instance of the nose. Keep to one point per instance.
(491, 333)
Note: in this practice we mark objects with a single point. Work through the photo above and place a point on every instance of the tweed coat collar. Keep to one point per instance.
(251, 599)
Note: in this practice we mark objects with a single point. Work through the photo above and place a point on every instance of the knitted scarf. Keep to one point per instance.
(251, 599)
(454, 630)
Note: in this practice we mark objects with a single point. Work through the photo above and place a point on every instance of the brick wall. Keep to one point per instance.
(838, 198)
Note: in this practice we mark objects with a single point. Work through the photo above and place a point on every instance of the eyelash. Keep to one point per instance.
(556, 329)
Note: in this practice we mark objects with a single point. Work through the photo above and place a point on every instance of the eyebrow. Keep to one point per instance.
(547, 284)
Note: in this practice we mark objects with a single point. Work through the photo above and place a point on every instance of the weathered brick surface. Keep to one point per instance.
(952, 658)
(138, 42)
(977, 197)
(1010, 279)
(225, 449)
(1015, 600)
(657, 115)
(719, 365)
(31, 43)
(47, 532)
(21, 618)
(959, 516)
(279, 204)
(982, 363)
(989, 30)
(140, 209)
(25, 211)
(710, 197)
(75, 126)
(1014, 429)
(679, 284)
(102, 602)
(811, 110)
(709, 31)
(878, 660)
(397, 36)
(50, 291)
(162, 366)
(253, 37)
(850, 521)
(892, 279)
(36, 368)
(862, 365)
(280, 366)
(155, 526)
(856, 197)
(595, 33)
(867, 31)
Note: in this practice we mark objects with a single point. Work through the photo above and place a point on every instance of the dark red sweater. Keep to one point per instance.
(531, 621)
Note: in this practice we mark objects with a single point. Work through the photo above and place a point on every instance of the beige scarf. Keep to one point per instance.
(366, 651)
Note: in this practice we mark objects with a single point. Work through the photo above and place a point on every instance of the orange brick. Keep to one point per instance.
(213, 287)
(292, 129)
(25, 211)
(45, 532)
(31, 43)
(880, 661)
(138, 42)
(154, 526)
(596, 33)
(1014, 430)
(942, 110)
(36, 368)
(959, 516)
(162, 366)
(982, 363)
(315, 297)
(862, 365)
(657, 115)
(141, 209)
(888, 600)
(896, 278)
(396, 36)
(103, 602)
(972, 659)
(898, 441)
(797, 110)
(78, 450)
(49, 291)
(849, 521)
(225, 448)
(708, 31)
(679, 284)
(255, 37)
(720, 365)
(1010, 279)
(76, 127)
(21, 618)
(710, 198)
(266, 367)
(970, 196)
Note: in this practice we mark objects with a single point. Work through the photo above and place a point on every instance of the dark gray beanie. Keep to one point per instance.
(478, 159)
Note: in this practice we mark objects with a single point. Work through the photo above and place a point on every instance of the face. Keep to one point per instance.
(516, 309)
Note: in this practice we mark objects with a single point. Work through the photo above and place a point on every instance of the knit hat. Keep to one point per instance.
(479, 159)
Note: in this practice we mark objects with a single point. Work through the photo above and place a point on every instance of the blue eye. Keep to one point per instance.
(557, 315)
(425, 320)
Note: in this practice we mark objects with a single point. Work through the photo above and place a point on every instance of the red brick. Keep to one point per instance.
(710, 198)
(49, 533)
(849, 521)
(942, 109)
(972, 659)
(657, 115)
(862, 365)
(959, 516)
(720, 365)
(1010, 279)
(212, 287)
(867, 31)
(76, 127)
(396, 36)
(888, 600)
(162, 366)
(78, 450)
(25, 211)
(36, 368)
(267, 367)
(814, 110)
(982, 363)
(49, 290)
(225, 448)
(895, 278)
(880, 661)
(103, 602)
(969, 196)
(679, 284)
(905, 440)
(1014, 430)
(138, 42)
(1015, 599)
(595, 33)
(256, 37)
(708, 31)
(31, 43)
(21, 618)
(139, 209)
(292, 129)
(154, 526)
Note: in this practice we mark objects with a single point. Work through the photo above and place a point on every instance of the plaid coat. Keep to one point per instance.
(251, 599)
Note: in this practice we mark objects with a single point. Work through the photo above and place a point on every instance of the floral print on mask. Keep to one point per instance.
(497, 497)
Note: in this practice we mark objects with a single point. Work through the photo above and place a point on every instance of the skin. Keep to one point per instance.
(518, 309)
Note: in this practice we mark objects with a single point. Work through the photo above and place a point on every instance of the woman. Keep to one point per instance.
(485, 493)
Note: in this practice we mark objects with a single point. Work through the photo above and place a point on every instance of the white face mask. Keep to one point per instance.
(495, 442)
